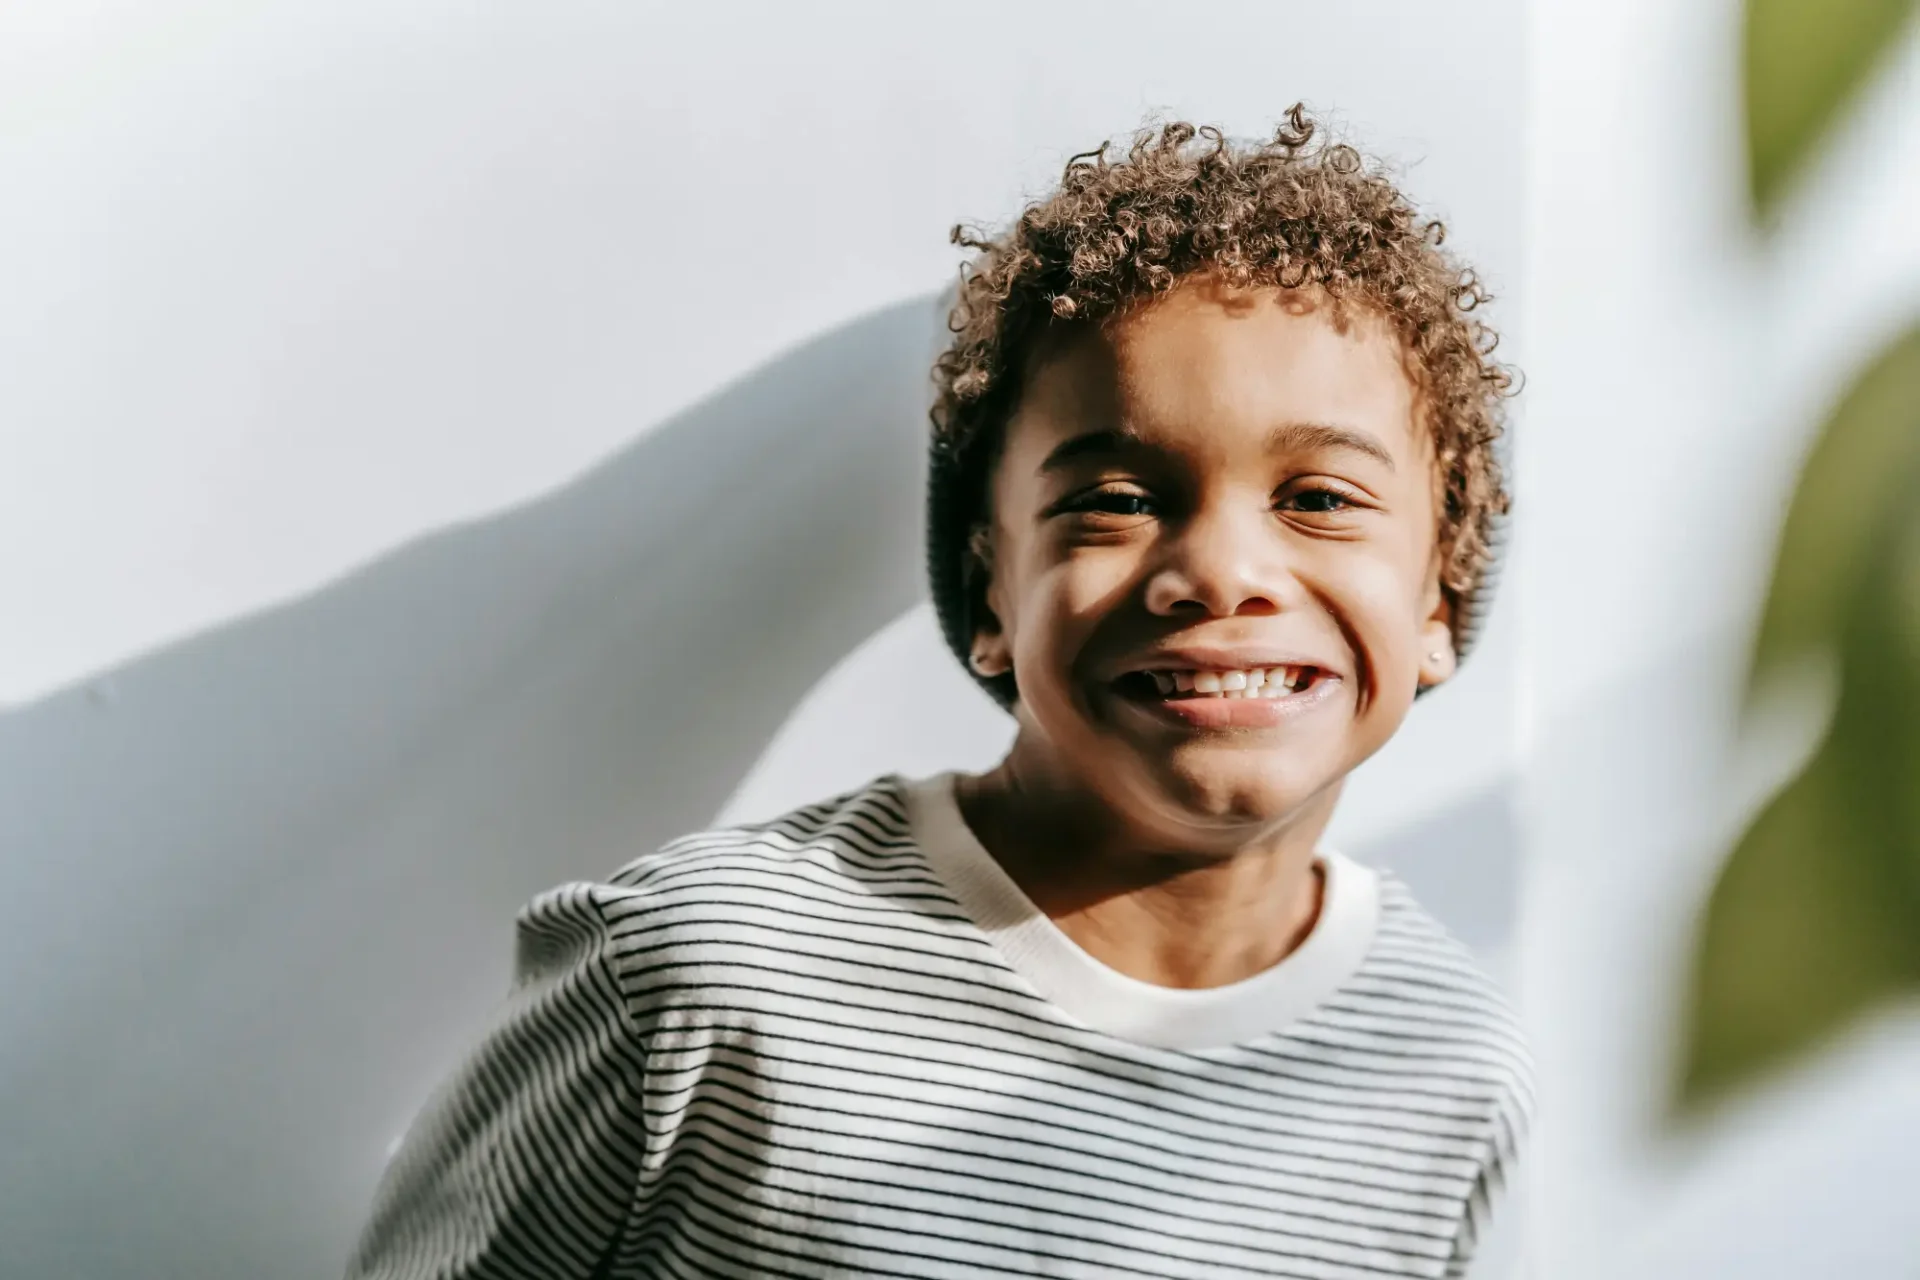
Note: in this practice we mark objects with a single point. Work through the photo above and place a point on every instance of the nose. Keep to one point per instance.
(1220, 563)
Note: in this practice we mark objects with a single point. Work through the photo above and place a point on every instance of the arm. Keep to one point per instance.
(526, 1162)
(1488, 1245)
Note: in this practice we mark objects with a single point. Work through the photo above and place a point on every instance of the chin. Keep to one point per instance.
(1234, 792)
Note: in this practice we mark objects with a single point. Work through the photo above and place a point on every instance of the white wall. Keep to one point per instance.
(320, 252)
(437, 451)
(1677, 369)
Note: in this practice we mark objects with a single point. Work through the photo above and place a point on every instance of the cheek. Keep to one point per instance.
(1062, 600)
(1381, 601)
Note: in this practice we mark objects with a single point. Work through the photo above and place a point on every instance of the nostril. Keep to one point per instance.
(1228, 606)
(1252, 607)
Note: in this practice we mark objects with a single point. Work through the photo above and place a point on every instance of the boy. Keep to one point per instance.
(1211, 500)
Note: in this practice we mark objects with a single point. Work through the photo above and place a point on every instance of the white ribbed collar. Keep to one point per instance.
(1109, 1001)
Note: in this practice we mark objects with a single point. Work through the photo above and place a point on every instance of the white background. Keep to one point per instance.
(439, 449)
(1677, 367)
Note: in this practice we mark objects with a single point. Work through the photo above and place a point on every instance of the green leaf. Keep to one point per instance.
(1861, 468)
(1816, 916)
(1808, 928)
(1804, 61)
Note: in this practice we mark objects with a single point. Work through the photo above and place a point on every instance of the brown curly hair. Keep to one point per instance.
(1292, 212)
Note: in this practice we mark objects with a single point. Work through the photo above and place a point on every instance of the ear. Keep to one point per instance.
(1438, 660)
(991, 655)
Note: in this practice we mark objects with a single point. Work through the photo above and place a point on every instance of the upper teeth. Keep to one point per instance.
(1251, 682)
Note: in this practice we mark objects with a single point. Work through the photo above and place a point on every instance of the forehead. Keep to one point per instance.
(1204, 363)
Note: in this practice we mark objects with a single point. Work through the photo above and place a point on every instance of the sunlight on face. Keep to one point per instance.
(1217, 485)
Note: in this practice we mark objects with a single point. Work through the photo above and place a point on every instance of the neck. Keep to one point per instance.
(1143, 904)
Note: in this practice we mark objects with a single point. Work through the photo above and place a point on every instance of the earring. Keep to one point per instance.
(978, 662)
(1436, 655)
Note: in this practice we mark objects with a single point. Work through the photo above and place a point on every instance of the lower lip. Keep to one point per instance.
(1238, 713)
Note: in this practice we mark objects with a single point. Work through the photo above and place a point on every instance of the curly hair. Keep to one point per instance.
(1298, 211)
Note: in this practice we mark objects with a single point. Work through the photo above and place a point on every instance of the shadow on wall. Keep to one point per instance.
(259, 886)
(1463, 864)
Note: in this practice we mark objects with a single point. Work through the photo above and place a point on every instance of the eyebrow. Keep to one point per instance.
(1288, 437)
(1301, 437)
(1106, 441)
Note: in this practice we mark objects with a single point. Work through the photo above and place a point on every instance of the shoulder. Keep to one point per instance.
(838, 869)
(1423, 988)
(850, 839)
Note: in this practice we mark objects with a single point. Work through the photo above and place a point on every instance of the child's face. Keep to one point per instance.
(1218, 485)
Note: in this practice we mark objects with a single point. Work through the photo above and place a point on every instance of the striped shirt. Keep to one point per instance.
(843, 1043)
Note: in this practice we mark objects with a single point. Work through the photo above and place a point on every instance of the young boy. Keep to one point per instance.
(1211, 501)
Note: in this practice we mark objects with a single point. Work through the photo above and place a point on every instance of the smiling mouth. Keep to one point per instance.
(1197, 685)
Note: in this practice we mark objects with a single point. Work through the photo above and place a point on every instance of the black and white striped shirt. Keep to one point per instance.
(845, 1044)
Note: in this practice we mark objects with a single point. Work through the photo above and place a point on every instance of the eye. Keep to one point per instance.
(1318, 502)
(1111, 500)
(1122, 504)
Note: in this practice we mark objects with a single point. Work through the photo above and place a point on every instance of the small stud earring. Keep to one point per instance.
(1436, 655)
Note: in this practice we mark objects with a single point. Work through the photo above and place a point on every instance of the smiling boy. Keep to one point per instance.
(1212, 497)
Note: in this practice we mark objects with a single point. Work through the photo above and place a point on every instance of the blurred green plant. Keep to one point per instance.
(1803, 62)
(1816, 916)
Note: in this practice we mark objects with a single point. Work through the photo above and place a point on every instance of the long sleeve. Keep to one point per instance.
(1488, 1246)
(525, 1163)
